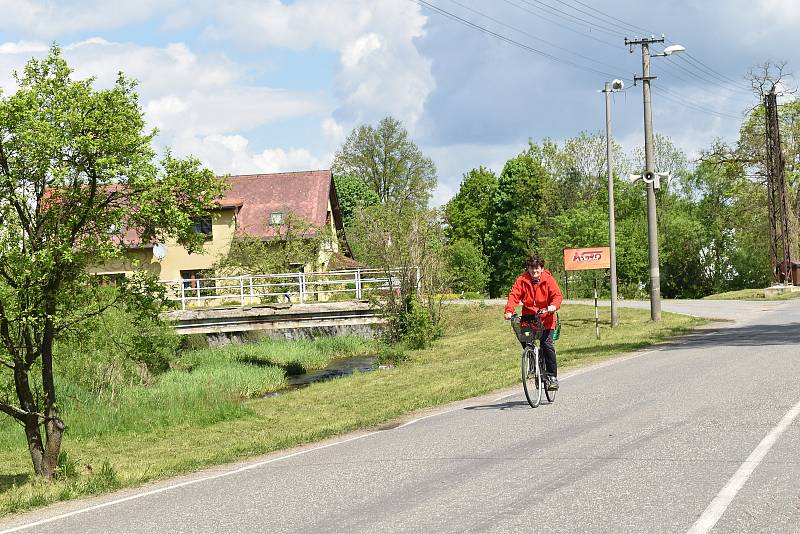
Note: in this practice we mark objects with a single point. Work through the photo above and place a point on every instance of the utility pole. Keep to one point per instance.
(609, 88)
(780, 256)
(652, 217)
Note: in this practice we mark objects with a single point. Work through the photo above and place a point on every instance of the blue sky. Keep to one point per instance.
(266, 86)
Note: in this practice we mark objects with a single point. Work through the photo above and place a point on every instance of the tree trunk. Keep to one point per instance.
(54, 426)
(33, 435)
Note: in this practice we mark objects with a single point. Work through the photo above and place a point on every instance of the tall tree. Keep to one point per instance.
(384, 158)
(467, 213)
(77, 178)
(518, 218)
(353, 194)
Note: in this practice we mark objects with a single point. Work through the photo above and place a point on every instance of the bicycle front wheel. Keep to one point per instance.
(532, 381)
(549, 393)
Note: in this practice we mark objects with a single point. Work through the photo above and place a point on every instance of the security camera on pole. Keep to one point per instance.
(650, 177)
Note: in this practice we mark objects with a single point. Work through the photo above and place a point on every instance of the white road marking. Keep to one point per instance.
(265, 462)
(180, 485)
(726, 495)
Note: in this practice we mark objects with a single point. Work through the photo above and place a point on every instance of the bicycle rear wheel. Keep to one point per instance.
(532, 376)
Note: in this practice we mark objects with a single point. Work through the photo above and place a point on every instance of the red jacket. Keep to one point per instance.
(536, 296)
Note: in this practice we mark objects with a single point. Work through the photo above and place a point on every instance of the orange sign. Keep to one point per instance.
(582, 259)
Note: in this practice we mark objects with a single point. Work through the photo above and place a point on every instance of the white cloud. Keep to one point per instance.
(783, 12)
(381, 71)
(199, 103)
(231, 154)
(354, 52)
(48, 19)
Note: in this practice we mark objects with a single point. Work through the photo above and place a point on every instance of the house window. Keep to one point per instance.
(111, 279)
(276, 218)
(197, 279)
(202, 225)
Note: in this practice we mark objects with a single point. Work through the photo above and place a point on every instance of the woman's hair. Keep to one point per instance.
(534, 260)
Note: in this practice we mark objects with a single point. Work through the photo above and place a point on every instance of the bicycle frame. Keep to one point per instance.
(533, 371)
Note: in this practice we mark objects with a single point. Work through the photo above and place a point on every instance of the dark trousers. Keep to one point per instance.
(548, 350)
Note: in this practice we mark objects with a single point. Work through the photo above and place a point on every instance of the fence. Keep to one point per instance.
(352, 284)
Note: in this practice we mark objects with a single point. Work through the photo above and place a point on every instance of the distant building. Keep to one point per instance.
(254, 205)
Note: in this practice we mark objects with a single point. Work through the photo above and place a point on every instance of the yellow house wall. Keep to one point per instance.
(134, 259)
(178, 258)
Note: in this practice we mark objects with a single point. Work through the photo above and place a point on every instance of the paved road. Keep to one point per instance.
(704, 428)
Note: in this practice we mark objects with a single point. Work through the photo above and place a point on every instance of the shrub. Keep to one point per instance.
(116, 348)
(418, 327)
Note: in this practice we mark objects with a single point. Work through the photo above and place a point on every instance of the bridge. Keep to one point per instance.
(289, 320)
(285, 305)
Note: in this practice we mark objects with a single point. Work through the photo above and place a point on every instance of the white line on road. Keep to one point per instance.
(724, 498)
(180, 485)
(265, 462)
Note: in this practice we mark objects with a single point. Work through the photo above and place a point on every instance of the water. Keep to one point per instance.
(335, 369)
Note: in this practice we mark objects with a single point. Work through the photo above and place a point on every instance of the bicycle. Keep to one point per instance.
(534, 377)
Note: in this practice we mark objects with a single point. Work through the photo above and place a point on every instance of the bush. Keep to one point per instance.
(418, 327)
(467, 267)
(116, 348)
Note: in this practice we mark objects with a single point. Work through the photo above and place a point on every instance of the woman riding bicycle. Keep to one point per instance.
(538, 291)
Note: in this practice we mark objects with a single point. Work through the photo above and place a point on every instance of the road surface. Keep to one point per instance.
(697, 435)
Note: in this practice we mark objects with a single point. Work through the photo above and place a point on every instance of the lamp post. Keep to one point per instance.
(652, 218)
(610, 87)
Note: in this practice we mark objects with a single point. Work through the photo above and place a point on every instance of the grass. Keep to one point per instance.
(751, 294)
(186, 430)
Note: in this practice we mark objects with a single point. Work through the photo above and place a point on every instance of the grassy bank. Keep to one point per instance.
(185, 429)
(751, 294)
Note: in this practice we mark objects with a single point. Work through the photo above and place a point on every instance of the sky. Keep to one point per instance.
(250, 86)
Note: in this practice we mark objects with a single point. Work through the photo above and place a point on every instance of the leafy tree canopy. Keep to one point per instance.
(467, 213)
(353, 194)
(77, 179)
(518, 218)
(385, 159)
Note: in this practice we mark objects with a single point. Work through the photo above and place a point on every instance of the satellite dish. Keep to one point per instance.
(159, 251)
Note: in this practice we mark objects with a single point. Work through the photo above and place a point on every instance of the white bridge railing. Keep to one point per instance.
(353, 284)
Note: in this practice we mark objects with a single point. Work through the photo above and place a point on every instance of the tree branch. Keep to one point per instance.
(17, 413)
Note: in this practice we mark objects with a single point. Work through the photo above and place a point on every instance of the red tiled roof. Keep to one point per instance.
(305, 194)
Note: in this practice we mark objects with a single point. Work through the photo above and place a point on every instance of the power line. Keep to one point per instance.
(568, 16)
(691, 59)
(625, 28)
(559, 24)
(508, 40)
(664, 92)
(682, 101)
(686, 57)
(629, 25)
(528, 34)
(676, 70)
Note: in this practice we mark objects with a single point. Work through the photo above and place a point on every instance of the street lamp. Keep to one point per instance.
(610, 87)
(652, 220)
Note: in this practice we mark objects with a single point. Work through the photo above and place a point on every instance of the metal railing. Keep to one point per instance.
(352, 284)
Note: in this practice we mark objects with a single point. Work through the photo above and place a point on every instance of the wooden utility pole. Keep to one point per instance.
(780, 258)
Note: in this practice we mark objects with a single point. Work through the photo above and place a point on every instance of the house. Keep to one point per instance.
(255, 205)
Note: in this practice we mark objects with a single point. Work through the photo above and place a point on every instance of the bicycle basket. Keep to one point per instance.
(525, 334)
